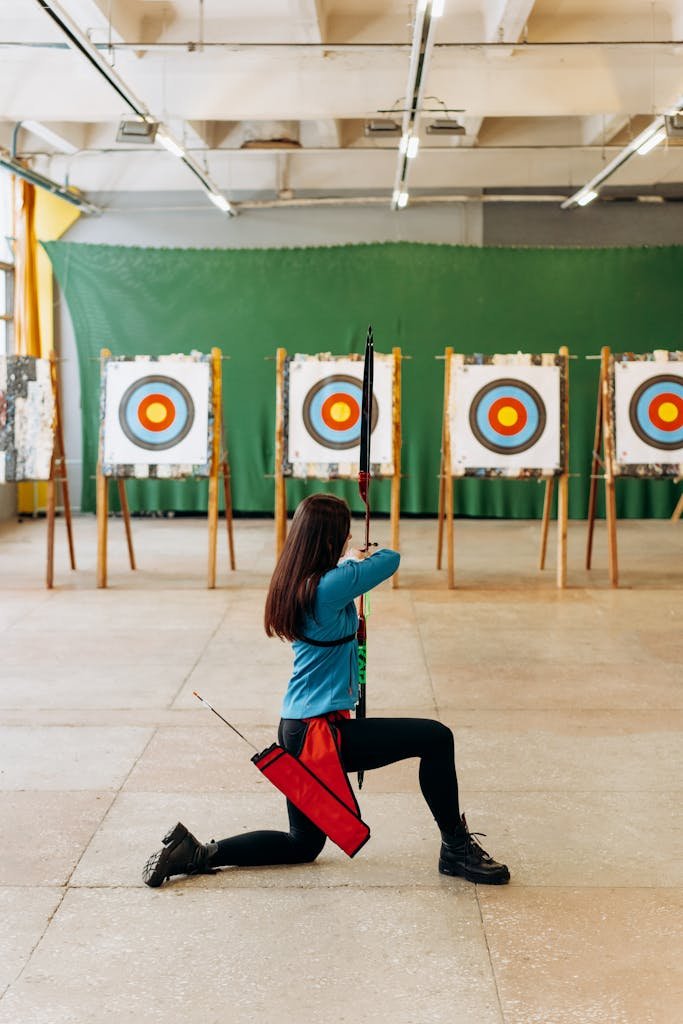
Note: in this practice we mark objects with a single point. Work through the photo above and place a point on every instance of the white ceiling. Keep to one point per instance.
(549, 92)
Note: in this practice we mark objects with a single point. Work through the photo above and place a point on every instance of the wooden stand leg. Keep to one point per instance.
(595, 465)
(217, 404)
(450, 546)
(396, 451)
(280, 492)
(213, 530)
(440, 514)
(67, 516)
(610, 498)
(678, 511)
(125, 512)
(448, 471)
(395, 519)
(563, 486)
(547, 505)
(280, 513)
(562, 525)
(227, 495)
(60, 460)
(102, 524)
(50, 574)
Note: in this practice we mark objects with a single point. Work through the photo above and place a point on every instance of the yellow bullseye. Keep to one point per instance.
(667, 412)
(508, 416)
(340, 412)
(156, 412)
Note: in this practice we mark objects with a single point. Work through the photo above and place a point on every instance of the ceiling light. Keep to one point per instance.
(650, 143)
(586, 198)
(138, 130)
(382, 126)
(437, 8)
(445, 126)
(170, 144)
(409, 146)
(220, 201)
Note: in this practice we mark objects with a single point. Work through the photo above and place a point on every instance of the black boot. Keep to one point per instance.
(181, 854)
(462, 855)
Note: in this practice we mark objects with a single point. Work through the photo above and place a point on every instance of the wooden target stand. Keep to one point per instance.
(57, 478)
(604, 458)
(446, 480)
(280, 478)
(219, 468)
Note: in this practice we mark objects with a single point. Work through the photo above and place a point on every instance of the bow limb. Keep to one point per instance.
(363, 488)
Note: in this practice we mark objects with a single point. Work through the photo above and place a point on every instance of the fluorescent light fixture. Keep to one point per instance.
(437, 8)
(402, 200)
(220, 201)
(409, 145)
(170, 144)
(52, 138)
(586, 198)
(650, 143)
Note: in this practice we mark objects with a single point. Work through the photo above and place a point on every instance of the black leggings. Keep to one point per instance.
(365, 744)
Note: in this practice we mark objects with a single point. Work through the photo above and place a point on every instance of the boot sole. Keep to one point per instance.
(471, 876)
(154, 872)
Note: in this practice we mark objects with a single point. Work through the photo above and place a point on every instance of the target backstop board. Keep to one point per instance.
(156, 416)
(506, 415)
(27, 419)
(647, 413)
(321, 403)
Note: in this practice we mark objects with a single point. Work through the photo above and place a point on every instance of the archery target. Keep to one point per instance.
(332, 411)
(648, 400)
(505, 418)
(156, 413)
(323, 401)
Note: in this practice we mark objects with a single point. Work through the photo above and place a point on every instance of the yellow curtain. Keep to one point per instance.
(37, 215)
(26, 315)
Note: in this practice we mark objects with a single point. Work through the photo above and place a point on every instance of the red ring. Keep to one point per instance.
(653, 411)
(154, 399)
(351, 419)
(502, 428)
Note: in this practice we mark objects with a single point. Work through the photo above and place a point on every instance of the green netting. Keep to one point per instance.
(419, 297)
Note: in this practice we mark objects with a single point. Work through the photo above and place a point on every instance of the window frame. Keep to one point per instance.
(7, 306)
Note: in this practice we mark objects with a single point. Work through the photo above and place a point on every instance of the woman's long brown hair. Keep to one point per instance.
(314, 545)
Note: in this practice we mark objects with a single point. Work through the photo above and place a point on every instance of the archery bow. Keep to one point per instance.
(363, 487)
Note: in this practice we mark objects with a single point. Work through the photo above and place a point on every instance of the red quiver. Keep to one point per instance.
(317, 784)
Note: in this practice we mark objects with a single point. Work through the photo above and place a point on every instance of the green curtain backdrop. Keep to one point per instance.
(419, 297)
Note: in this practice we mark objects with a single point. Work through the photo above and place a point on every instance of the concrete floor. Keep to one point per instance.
(567, 709)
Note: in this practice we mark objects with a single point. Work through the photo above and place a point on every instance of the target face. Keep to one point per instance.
(504, 418)
(156, 416)
(156, 413)
(507, 416)
(322, 399)
(648, 398)
(332, 411)
(656, 412)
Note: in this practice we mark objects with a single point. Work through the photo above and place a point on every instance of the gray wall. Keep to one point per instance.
(187, 220)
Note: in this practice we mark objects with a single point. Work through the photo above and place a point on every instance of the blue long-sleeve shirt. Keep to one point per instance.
(326, 678)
